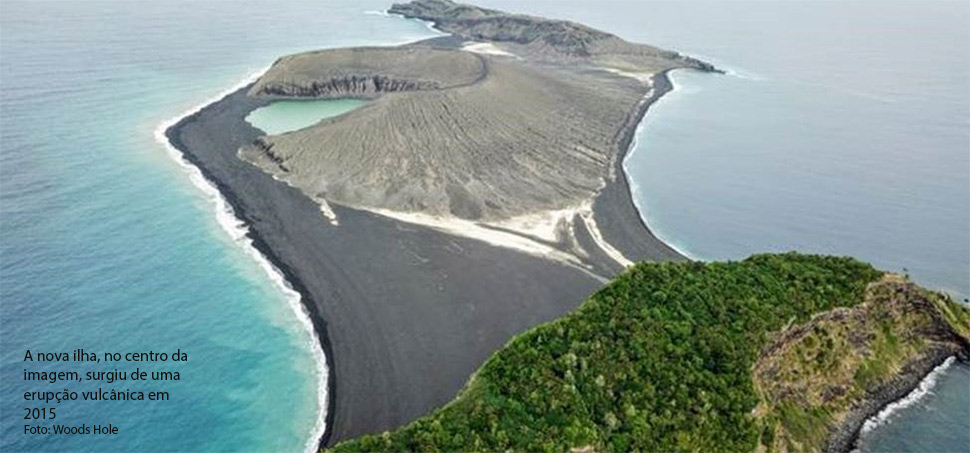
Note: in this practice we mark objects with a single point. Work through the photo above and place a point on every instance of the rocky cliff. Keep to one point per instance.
(821, 380)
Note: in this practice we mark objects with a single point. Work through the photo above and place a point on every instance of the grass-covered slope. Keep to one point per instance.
(662, 359)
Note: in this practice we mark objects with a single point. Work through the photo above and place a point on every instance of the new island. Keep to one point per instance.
(465, 243)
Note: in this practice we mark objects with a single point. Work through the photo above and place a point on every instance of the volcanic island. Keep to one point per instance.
(479, 192)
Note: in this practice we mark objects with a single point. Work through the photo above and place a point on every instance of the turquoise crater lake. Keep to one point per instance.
(287, 116)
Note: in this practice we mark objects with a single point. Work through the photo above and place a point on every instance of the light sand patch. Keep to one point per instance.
(645, 77)
(594, 231)
(546, 225)
(328, 212)
(475, 230)
(486, 48)
(551, 226)
(531, 234)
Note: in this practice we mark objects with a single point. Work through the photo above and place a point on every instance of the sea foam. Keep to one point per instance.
(238, 231)
(925, 388)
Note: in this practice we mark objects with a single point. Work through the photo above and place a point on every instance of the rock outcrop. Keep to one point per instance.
(366, 72)
(820, 381)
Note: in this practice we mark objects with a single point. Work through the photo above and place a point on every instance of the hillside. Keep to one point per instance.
(702, 357)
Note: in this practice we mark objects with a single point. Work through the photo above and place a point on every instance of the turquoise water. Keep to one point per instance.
(108, 245)
(286, 116)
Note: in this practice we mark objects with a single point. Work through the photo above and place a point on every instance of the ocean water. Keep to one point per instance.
(929, 417)
(109, 245)
(286, 116)
(855, 141)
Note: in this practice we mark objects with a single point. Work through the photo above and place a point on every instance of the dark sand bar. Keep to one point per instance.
(406, 313)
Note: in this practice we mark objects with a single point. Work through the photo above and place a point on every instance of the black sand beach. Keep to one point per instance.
(405, 313)
(616, 215)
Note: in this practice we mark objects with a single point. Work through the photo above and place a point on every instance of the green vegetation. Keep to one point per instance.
(662, 359)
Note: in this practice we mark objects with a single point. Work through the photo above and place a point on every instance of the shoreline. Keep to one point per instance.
(922, 390)
(661, 85)
(890, 397)
(667, 82)
(236, 226)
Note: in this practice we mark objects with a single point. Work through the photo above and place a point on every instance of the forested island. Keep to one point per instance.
(774, 353)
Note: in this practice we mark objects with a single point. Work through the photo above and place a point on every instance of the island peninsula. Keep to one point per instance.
(478, 193)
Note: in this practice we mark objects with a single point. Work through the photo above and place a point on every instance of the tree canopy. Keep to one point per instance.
(659, 360)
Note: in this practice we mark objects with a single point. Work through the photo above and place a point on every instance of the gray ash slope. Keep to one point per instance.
(456, 134)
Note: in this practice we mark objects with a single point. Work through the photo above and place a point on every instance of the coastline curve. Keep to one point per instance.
(664, 82)
(238, 230)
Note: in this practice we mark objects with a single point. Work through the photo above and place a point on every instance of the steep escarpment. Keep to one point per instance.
(699, 357)
(821, 380)
(365, 72)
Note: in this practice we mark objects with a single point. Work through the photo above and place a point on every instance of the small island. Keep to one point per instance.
(477, 192)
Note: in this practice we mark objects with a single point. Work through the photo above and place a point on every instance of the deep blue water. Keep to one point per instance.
(843, 129)
(106, 243)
